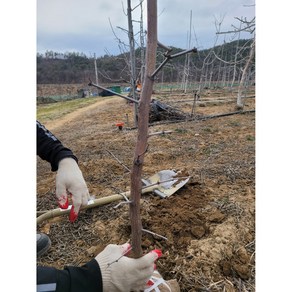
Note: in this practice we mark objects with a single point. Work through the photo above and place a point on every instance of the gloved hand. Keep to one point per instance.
(124, 274)
(69, 180)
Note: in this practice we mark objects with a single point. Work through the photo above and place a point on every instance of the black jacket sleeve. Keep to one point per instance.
(51, 149)
(72, 279)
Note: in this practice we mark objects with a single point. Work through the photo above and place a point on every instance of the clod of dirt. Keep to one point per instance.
(239, 263)
(242, 255)
(198, 231)
(226, 267)
(243, 271)
(216, 217)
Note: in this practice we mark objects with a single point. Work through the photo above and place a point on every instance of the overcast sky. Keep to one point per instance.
(84, 25)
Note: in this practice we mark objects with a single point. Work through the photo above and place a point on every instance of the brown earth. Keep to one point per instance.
(209, 223)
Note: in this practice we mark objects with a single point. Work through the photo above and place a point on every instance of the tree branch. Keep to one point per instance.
(169, 57)
(113, 92)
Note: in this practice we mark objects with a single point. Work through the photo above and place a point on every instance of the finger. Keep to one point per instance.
(125, 248)
(73, 214)
(80, 196)
(76, 205)
(114, 250)
(63, 201)
(158, 252)
(61, 195)
(85, 198)
(119, 250)
(146, 266)
(147, 261)
(76, 202)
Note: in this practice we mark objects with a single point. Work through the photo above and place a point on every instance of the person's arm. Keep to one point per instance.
(71, 279)
(69, 178)
(50, 148)
(110, 271)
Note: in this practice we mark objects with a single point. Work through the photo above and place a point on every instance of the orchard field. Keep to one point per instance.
(209, 223)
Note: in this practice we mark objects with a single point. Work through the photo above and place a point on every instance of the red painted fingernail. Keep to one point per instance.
(64, 205)
(150, 283)
(158, 252)
(73, 215)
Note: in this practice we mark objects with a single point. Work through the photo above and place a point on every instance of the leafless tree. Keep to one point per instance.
(247, 26)
(132, 57)
(187, 61)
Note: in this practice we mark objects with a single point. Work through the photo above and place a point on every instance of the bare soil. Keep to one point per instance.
(209, 223)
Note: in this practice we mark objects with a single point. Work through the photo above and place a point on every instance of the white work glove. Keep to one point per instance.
(69, 180)
(124, 274)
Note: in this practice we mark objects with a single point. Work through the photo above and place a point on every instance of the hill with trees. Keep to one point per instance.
(220, 63)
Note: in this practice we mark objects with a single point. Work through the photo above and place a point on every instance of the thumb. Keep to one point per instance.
(119, 250)
(125, 248)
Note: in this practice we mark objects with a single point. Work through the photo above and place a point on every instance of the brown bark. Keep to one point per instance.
(143, 120)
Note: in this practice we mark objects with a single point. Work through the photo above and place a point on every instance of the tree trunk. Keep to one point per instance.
(132, 56)
(239, 102)
(96, 73)
(187, 60)
(235, 61)
(143, 120)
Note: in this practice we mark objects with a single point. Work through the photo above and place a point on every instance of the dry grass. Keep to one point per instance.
(210, 223)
